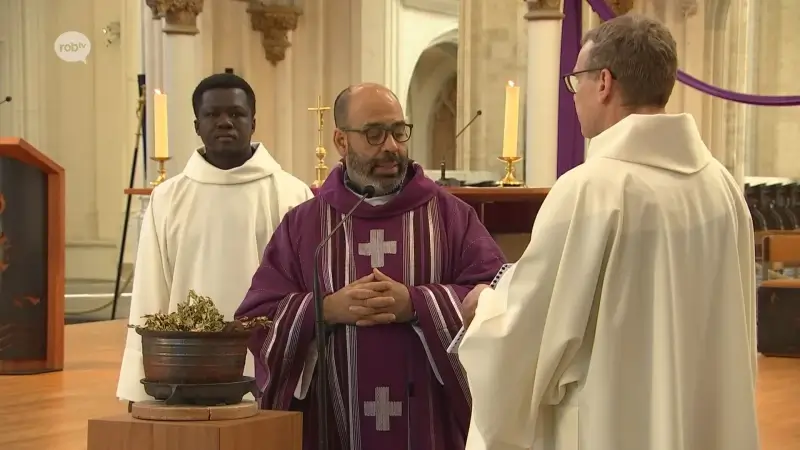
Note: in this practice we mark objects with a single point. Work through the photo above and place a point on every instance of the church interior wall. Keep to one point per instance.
(492, 50)
(418, 31)
(436, 66)
(778, 50)
(81, 115)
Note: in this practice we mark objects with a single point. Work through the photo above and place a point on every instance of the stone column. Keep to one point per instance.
(491, 52)
(746, 150)
(541, 122)
(152, 72)
(181, 70)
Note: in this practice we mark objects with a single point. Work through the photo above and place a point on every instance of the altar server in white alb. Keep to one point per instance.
(206, 229)
(628, 323)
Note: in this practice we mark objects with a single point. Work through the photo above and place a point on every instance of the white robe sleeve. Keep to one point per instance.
(747, 265)
(527, 331)
(150, 295)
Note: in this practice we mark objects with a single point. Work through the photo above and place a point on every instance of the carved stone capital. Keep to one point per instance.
(689, 7)
(620, 7)
(274, 22)
(180, 16)
(544, 10)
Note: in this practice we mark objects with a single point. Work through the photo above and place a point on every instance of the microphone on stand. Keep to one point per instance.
(5, 100)
(452, 182)
(478, 113)
(322, 338)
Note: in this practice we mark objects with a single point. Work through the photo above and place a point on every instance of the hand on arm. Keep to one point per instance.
(470, 304)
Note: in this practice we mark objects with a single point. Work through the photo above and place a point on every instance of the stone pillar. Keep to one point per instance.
(152, 72)
(491, 52)
(541, 123)
(746, 149)
(181, 70)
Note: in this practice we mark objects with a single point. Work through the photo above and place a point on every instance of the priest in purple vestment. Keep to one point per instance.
(393, 278)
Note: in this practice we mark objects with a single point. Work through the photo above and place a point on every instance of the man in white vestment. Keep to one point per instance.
(206, 229)
(629, 321)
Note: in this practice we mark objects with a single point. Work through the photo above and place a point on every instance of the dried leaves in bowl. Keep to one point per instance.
(197, 314)
(246, 323)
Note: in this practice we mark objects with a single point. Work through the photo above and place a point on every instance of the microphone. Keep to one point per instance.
(452, 182)
(6, 100)
(469, 123)
(322, 338)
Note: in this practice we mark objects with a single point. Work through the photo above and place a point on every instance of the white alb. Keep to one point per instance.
(204, 230)
(629, 321)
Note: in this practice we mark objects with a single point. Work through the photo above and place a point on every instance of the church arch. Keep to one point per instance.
(431, 101)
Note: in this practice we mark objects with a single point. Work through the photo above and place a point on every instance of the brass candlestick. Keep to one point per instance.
(510, 180)
(321, 169)
(162, 170)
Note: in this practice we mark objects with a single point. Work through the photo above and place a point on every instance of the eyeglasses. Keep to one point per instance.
(376, 134)
(573, 82)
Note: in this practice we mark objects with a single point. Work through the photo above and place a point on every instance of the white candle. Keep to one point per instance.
(160, 135)
(511, 129)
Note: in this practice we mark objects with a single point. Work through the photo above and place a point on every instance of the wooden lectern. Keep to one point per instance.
(32, 252)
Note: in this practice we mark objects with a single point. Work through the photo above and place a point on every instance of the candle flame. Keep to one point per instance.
(511, 83)
(157, 91)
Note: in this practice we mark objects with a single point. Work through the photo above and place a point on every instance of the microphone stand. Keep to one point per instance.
(2, 102)
(322, 337)
(409, 395)
(452, 182)
(458, 135)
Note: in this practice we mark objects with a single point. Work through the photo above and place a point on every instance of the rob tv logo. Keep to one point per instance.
(73, 46)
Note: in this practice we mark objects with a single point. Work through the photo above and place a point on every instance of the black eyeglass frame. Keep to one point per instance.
(568, 77)
(387, 130)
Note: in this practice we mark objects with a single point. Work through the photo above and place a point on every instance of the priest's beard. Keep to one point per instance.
(362, 171)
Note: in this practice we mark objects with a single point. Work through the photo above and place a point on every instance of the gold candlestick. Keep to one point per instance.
(510, 180)
(321, 169)
(162, 170)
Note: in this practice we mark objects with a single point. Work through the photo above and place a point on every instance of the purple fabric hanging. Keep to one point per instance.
(571, 150)
(606, 13)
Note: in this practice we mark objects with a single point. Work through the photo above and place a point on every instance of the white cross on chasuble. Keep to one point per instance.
(377, 248)
(382, 409)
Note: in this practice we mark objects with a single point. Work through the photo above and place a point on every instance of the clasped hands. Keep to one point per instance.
(372, 300)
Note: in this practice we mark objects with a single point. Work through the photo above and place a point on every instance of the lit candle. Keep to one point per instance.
(511, 129)
(160, 135)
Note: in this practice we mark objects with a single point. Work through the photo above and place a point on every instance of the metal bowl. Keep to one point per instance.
(185, 357)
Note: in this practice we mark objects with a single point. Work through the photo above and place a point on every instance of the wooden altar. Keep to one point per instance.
(504, 210)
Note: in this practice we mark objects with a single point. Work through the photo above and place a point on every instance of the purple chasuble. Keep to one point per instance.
(390, 386)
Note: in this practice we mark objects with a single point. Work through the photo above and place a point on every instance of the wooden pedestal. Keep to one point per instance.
(269, 430)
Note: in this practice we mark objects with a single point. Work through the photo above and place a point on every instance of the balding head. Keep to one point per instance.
(371, 135)
(342, 104)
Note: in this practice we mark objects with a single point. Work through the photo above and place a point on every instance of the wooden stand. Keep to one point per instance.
(156, 410)
(32, 252)
(268, 430)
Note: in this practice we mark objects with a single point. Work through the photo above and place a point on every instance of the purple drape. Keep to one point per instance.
(606, 13)
(570, 140)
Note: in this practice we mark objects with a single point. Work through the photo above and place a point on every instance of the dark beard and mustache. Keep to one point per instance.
(362, 171)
